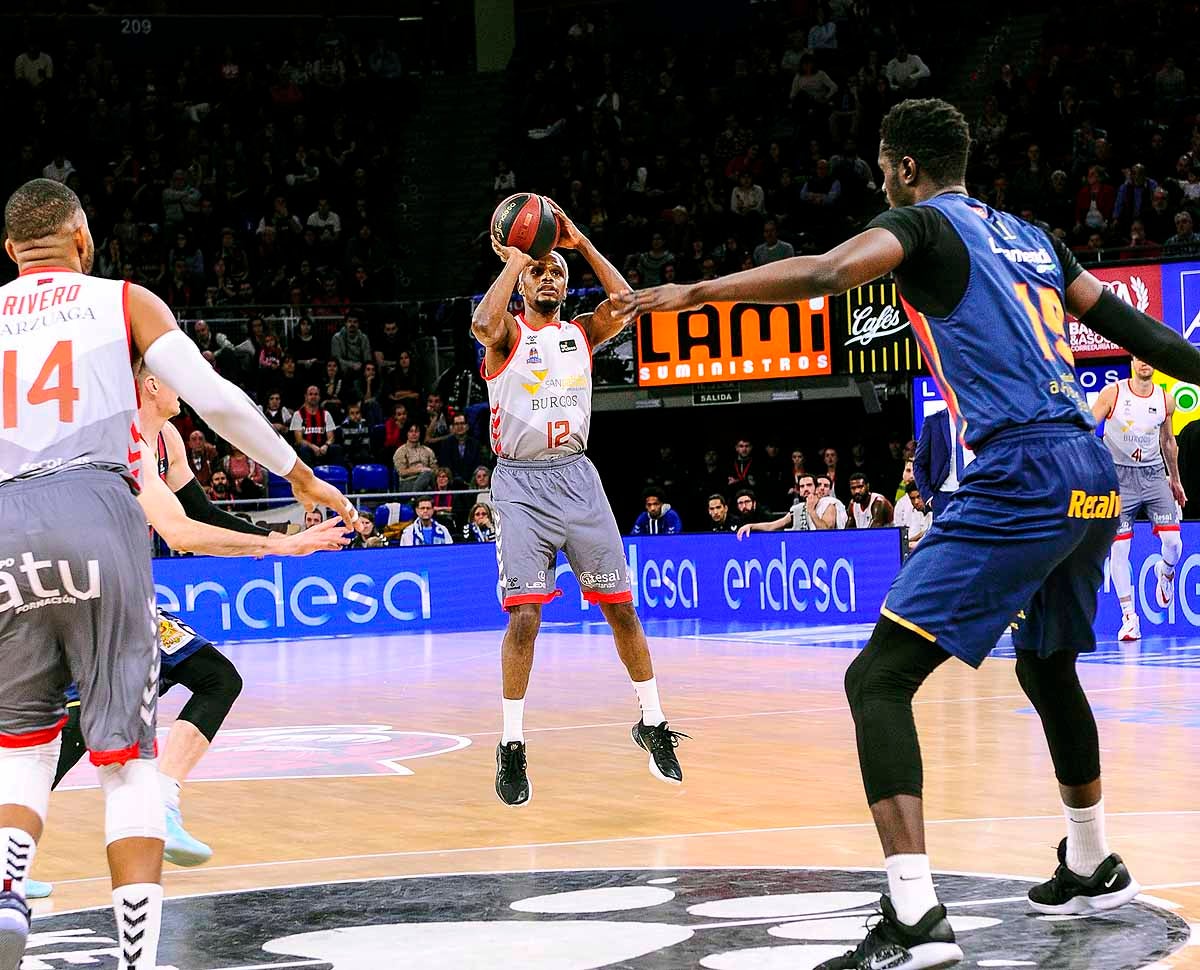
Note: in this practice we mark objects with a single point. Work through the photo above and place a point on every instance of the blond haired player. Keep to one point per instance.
(546, 492)
(76, 594)
(1137, 430)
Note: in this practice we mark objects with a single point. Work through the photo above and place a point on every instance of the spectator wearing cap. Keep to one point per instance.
(658, 519)
(351, 347)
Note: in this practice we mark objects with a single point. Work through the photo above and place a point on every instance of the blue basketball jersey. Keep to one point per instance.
(1002, 357)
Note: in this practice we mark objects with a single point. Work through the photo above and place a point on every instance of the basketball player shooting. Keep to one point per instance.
(547, 494)
(81, 604)
(1027, 530)
(1137, 430)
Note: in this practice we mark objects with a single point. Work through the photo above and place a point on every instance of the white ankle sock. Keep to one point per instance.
(17, 849)
(910, 884)
(138, 910)
(647, 692)
(1087, 845)
(514, 721)
(170, 791)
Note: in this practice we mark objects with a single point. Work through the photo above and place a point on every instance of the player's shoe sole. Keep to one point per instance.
(14, 930)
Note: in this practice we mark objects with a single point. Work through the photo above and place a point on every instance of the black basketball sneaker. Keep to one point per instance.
(661, 742)
(890, 945)
(1068, 893)
(512, 784)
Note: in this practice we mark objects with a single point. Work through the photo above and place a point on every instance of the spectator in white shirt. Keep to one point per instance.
(33, 66)
(326, 222)
(831, 513)
(913, 514)
(905, 71)
(59, 170)
(811, 83)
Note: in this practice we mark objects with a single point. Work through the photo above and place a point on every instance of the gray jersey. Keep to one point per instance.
(68, 397)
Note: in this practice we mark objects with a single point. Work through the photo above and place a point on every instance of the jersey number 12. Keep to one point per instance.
(557, 433)
(60, 360)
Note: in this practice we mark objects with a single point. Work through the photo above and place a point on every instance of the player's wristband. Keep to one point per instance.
(226, 408)
(1144, 337)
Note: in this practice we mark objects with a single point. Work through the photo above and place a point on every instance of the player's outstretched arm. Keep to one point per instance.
(859, 260)
(225, 407)
(165, 513)
(1142, 335)
(197, 506)
(775, 525)
(1103, 405)
(491, 323)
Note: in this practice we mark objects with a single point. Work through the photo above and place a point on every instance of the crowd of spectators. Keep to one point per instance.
(767, 491)
(691, 160)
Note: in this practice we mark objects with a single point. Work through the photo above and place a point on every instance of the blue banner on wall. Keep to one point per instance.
(793, 578)
(1182, 617)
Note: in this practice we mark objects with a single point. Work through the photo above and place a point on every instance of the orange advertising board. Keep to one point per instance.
(730, 342)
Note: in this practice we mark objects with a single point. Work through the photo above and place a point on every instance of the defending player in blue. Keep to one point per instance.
(1028, 529)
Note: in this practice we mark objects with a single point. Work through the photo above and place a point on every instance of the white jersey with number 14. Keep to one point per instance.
(541, 397)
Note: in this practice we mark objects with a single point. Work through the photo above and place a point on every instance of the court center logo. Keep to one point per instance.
(307, 751)
(719, 919)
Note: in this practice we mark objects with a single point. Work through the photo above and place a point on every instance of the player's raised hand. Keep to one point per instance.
(511, 254)
(569, 237)
(311, 491)
(330, 535)
(631, 304)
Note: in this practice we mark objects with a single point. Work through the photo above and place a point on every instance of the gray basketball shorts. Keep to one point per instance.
(1149, 489)
(77, 603)
(545, 506)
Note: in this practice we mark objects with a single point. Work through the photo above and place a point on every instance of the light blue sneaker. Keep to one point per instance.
(180, 848)
(37, 890)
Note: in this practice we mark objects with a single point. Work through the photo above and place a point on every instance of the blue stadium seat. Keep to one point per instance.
(335, 475)
(278, 486)
(369, 478)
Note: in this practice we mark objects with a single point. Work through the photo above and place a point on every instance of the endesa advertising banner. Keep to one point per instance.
(1140, 286)
(1181, 298)
(794, 578)
(1182, 617)
(731, 342)
(872, 336)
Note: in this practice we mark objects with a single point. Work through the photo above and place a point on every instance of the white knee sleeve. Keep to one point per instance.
(26, 775)
(133, 803)
(1118, 569)
(1172, 546)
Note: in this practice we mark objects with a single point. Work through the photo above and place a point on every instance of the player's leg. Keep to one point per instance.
(1058, 627)
(596, 553)
(215, 685)
(1164, 513)
(1119, 569)
(112, 648)
(528, 537)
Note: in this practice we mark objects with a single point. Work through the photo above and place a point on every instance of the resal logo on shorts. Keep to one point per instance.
(607, 580)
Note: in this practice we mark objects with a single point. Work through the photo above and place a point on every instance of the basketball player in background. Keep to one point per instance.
(868, 510)
(78, 594)
(1027, 530)
(187, 658)
(1137, 430)
(546, 492)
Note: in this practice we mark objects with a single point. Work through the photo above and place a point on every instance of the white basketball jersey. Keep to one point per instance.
(1132, 427)
(862, 517)
(67, 395)
(541, 397)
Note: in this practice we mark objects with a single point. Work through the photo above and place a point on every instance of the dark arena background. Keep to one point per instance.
(309, 189)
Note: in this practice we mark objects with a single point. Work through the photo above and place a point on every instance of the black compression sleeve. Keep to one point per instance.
(198, 508)
(1144, 337)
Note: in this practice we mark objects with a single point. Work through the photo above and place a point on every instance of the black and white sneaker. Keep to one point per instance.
(512, 784)
(14, 930)
(661, 742)
(890, 945)
(1068, 893)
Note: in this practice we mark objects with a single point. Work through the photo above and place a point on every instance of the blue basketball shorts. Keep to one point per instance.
(1022, 542)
